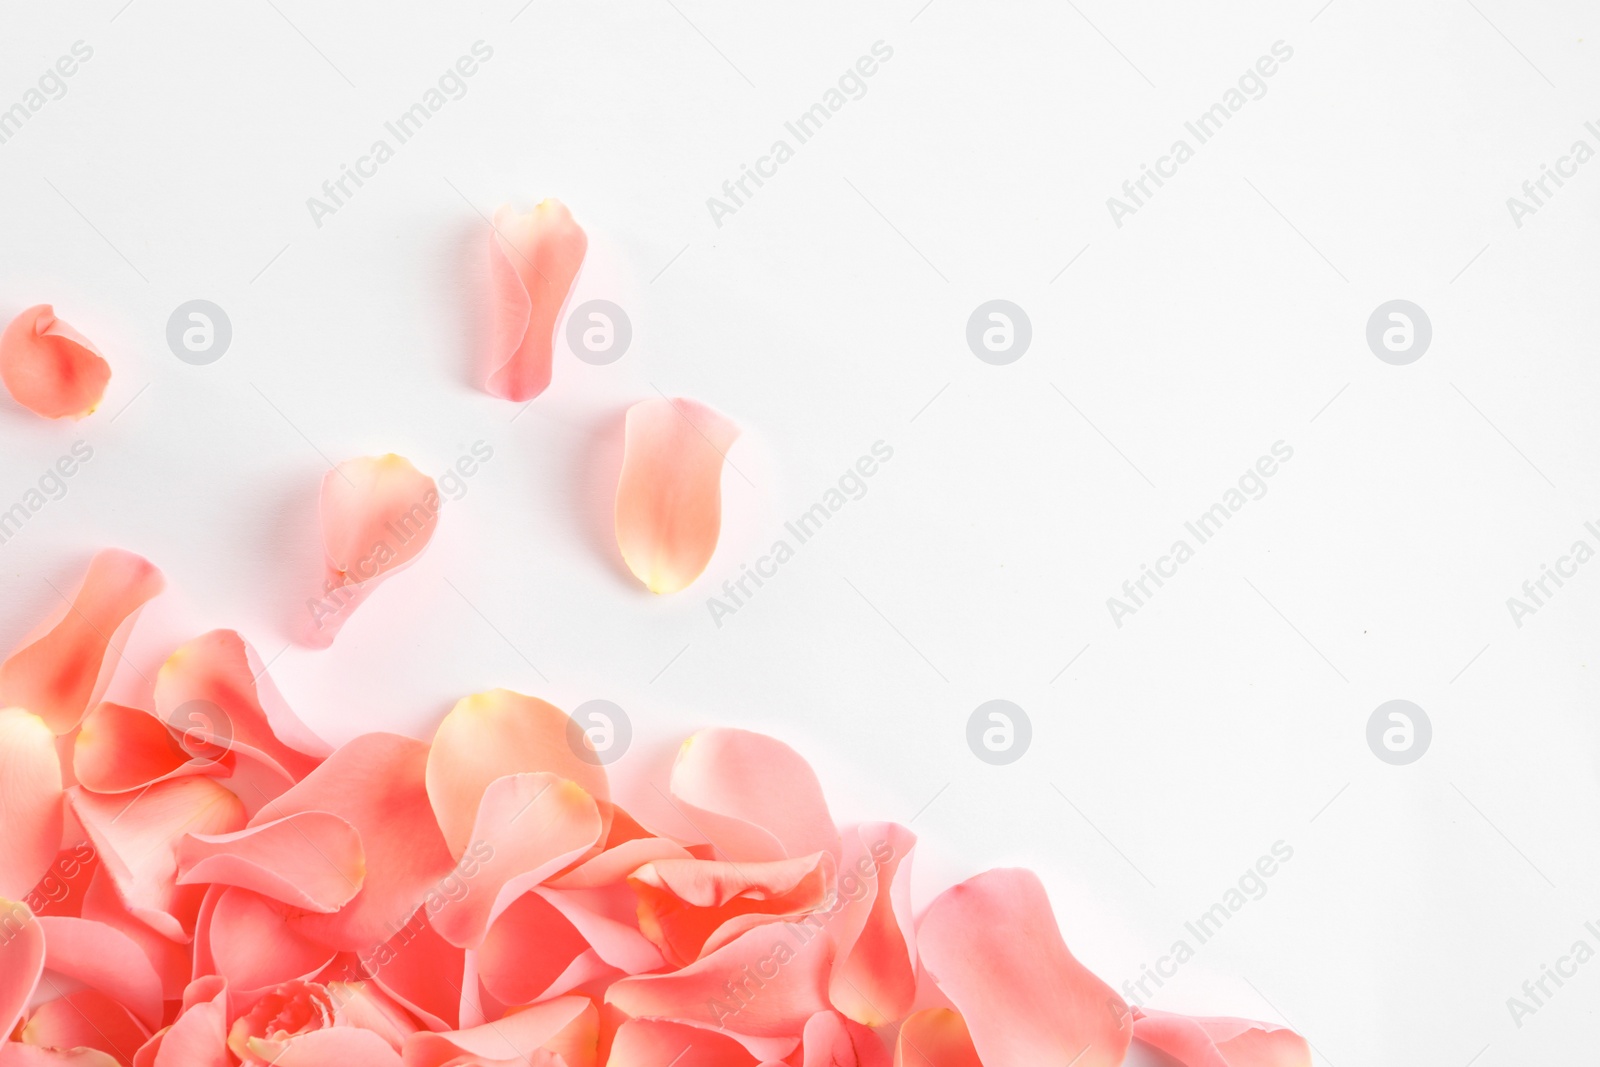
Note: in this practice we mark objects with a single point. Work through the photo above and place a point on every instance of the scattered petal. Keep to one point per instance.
(1199, 1042)
(753, 796)
(311, 860)
(31, 808)
(533, 260)
(21, 961)
(50, 368)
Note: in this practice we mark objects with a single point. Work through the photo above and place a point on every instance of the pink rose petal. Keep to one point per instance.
(1221, 1042)
(31, 804)
(49, 368)
(533, 260)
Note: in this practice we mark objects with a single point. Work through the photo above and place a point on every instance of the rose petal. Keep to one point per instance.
(422, 971)
(199, 1036)
(311, 860)
(137, 834)
(874, 970)
(86, 1019)
(1221, 1042)
(61, 673)
(654, 1043)
(21, 961)
(50, 368)
(669, 494)
(120, 749)
(363, 1004)
(753, 796)
(510, 972)
(102, 957)
(378, 514)
(170, 958)
(31, 808)
(254, 946)
(64, 889)
(16, 1054)
(490, 735)
(337, 1046)
(684, 904)
(935, 1037)
(566, 1027)
(992, 946)
(533, 260)
(831, 1040)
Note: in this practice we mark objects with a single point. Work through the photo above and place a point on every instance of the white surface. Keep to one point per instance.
(1195, 336)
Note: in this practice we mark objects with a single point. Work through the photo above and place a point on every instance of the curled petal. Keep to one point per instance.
(339, 1046)
(137, 835)
(50, 368)
(103, 958)
(831, 1040)
(62, 672)
(689, 906)
(311, 860)
(199, 1036)
(754, 797)
(120, 749)
(420, 970)
(16, 1054)
(508, 970)
(85, 1019)
(253, 945)
(31, 806)
(490, 735)
(935, 1037)
(170, 958)
(364, 1005)
(874, 971)
(567, 1027)
(669, 495)
(653, 1042)
(1221, 1042)
(533, 260)
(992, 946)
(21, 961)
(378, 514)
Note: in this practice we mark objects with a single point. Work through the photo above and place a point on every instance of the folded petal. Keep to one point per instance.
(874, 969)
(311, 860)
(137, 835)
(253, 945)
(199, 1036)
(511, 973)
(533, 260)
(85, 1019)
(49, 368)
(490, 735)
(31, 806)
(16, 1054)
(378, 514)
(566, 1027)
(61, 673)
(935, 1037)
(65, 886)
(654, 1043)
(992, 946)
(669, 494)
(21, 961)
(102, 957)
(753, 796)
(169, 957)
(420, 970)
(686, 903)
(1221, 1042)
(831, 1040)
(120, 749)
(528, 827)
(338, 1046)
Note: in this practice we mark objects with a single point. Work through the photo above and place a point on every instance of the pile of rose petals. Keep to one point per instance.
(199, 881)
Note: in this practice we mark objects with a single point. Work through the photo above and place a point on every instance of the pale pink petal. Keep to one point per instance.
(60, 673)
(528, 827)
(686, 903)
(21, 961)
(1221, 1042)
(669, 494)
(753, 796)
(992, 946)
(85, 1019)
(874, 970)
(765, 983)
(493, 734)
(935, 1037)
(120, 749)
(338, 1046)
(137, 834)
(567, 1027)
(831, 1040)
(254, 946)
(374, 783)
(378, 514)
(311, 860)
(533, 260)
(49, 368)
(31, 807)
(102, 957)
(655, 1043)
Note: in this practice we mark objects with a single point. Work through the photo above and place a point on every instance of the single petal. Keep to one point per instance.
(86, 1019)
(422, 971)
(992, 946)
(669, 494)
(31, 808)
(1221, 1042)
(49, 368)
(61, 672)
(378, 514)
(655, 1043)
(490, 735)
(874, 969)
(831, 1040)
(533, 260)
(137, 834)
(528, 827)
(102, 957)
(684, 904)
(337, 1046)
(169, 957)
(364, 1005)
(935, 1037)
(618, 861)
(253, 945)
(199, 1035)
(21, 961)
(311, 860)
(754, 797)
(765, 983)
(64, 889)
(16, 1054)
(566, 1027)
(374, 783)
(120, 749)
(511, 973)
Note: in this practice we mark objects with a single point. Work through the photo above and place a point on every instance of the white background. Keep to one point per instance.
(828, 313)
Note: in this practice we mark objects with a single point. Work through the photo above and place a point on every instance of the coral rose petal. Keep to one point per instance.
(86, 1019)
(170, 958)
(683, 904)
(16, 1054)
(254, 946)
(566, 1027)
(311, 860)
(21, 961)
(874, 971)
(31, 807)
(120, 749)
(199, 1036)
(1200, 1042)
(49, 368)
(935, 1037)
(533, 260)
(378, 514)
(490, 735)
(336, 1046)
(753, 796)
(669, 494)
(422, 972)
(103, 958)
(61, 673)
(654, 1043)
(528, 827)
(137, 835)
(992, 946)
(831, 1040)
